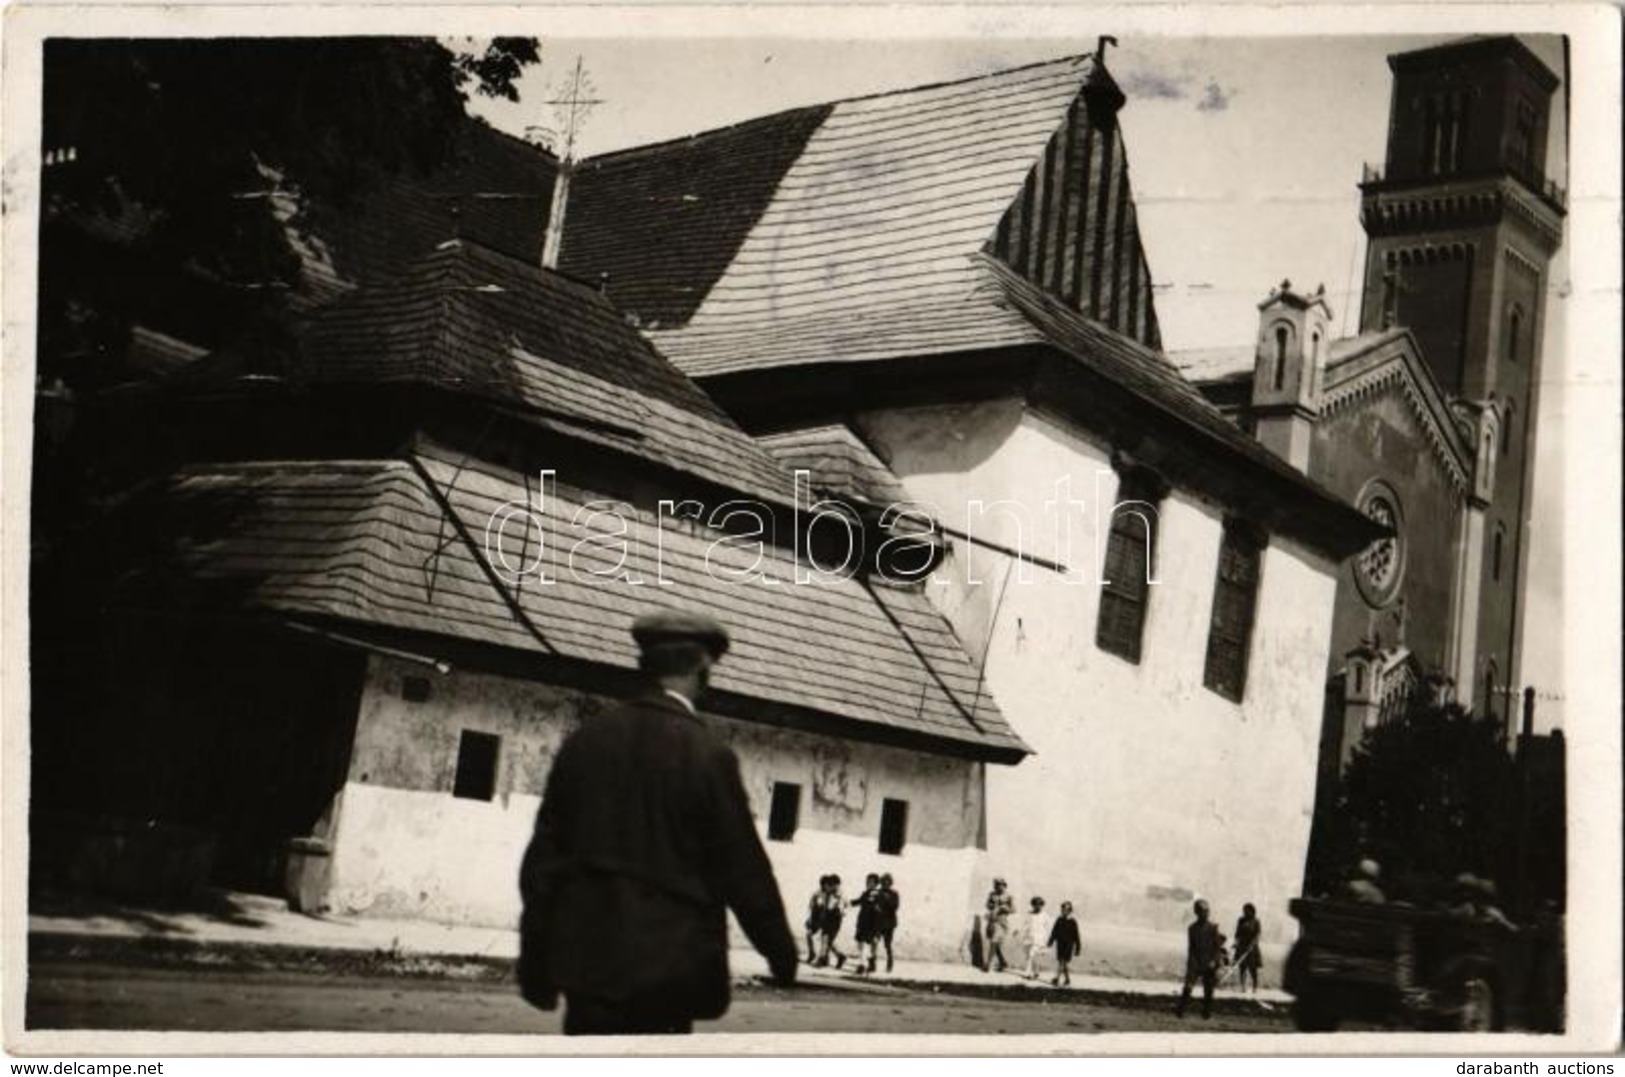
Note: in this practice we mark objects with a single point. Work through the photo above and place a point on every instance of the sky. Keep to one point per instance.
(1244, 156)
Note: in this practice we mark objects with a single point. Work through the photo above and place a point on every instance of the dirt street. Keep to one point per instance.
(79, 995)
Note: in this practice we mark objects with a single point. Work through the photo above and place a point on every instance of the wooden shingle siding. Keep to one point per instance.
(886, 205)
(1073, 230)
(369, 542)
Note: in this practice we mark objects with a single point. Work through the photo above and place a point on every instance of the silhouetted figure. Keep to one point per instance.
(643, 842)
(1067, 942)
(1248, 958)
(886, 925)
(1000, 906)
(1204, 952)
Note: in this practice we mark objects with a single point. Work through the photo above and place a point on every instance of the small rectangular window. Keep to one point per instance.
(416, 689)
(893, 826)
(476, 765)
(784, 815)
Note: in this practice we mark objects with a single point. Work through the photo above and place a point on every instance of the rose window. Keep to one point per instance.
(1380, 561)
(1379, 567)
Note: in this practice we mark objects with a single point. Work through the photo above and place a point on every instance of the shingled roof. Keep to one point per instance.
(663, 222)
(837, 462)
(1146, 373)
(493, 190)
(827, 233)
(471, 321)
(400, 545)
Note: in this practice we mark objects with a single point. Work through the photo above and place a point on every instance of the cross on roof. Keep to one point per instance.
(575, 99)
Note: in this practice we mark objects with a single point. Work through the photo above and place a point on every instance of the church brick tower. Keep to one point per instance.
(1462, 225)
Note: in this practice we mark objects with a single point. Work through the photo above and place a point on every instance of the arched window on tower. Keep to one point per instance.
(1492, 677)
(1521, 151)
(1457, 134)
(1506, 425)
(1280, 356)
(1514, 341)
(1430, 135)
(1497, 551)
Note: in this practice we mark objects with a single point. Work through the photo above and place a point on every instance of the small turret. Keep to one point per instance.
(1294, 335)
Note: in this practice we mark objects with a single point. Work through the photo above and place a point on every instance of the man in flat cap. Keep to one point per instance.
(643, 840)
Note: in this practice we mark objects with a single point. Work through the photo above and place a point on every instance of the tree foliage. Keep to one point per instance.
(177, 145)
(1430, 795)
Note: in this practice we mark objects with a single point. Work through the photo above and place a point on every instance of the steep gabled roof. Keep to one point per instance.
(1007, 315)
(836, 233)
(470, 321)
(400, 545)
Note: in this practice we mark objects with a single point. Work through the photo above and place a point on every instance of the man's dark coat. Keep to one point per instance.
(644, 838)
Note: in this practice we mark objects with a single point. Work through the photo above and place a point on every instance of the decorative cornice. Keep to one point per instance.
(1521, 260)
(1387, 210)
(1386, 374)
(1423, 251)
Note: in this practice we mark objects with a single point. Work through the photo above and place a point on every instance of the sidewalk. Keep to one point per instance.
(249, 922)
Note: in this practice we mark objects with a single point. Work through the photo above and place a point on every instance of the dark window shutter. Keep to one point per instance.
(1131, 546)
(1235, 604)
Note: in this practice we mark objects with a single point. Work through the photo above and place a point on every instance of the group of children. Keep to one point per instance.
(877, 922)
(1206, 953)
(1042, 932)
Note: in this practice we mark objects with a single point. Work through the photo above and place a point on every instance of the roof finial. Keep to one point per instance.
(1100, 47)
(571, 103)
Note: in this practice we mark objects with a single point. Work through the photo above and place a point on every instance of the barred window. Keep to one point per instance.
(1235, 602)
(1130, 562)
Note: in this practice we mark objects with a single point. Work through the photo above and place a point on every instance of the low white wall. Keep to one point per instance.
(404, 846)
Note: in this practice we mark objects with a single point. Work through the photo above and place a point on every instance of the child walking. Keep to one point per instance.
(1039, 923)
(1248, 959)
(886, 923)
(829, 923)
(815, 918)
(1001, 905)
(1064, 937)
(868, 932)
